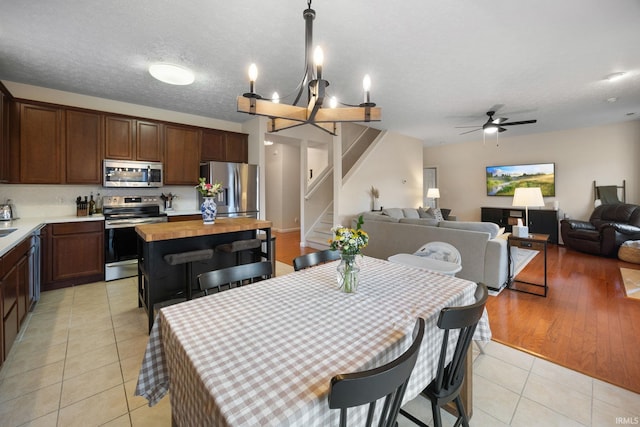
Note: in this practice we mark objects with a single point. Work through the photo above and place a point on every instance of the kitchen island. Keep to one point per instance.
(158, 281)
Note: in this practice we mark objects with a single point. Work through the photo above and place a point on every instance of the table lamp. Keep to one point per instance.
(527, 196)
(433, 193)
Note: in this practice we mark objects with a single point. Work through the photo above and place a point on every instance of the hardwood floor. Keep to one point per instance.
(585, 323)
(288, 247)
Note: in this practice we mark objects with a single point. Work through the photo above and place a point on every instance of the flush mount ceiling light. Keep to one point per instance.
(615, 76)
(284, 116)
(172, 74)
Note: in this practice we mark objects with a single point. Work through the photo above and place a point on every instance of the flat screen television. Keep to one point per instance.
(503, 180)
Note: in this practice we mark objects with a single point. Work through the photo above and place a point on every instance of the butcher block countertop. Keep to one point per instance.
(184, 229)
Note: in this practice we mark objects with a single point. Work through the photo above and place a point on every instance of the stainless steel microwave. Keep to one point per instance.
(122, 173)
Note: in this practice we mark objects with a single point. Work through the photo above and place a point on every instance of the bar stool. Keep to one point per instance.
(239, 246)
(188, 258)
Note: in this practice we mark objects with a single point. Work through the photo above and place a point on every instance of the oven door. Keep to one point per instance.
(120, 252)
(121, 247)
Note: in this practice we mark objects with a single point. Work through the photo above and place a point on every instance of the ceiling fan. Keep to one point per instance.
(495, 125)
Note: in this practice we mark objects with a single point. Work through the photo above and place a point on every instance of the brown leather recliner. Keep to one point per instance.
(608, 228)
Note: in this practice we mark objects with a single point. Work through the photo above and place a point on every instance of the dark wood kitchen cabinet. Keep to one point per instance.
(4, 135)
(36, 144)
(14, 292)
(182, 155)
(83, 147)
(223, 146)
(72, 254)
(148, 141)
(130, 139)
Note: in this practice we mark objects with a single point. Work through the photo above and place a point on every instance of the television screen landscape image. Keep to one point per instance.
(503, 180)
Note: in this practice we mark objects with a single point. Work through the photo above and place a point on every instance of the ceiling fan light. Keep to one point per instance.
(172, 74)
(490, 129)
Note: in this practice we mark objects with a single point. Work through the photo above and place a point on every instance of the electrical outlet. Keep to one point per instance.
(295, 220)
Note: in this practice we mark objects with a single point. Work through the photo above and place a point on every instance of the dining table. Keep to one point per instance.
(264, 354)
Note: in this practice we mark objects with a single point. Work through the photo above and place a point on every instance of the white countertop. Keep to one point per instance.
(24, 227)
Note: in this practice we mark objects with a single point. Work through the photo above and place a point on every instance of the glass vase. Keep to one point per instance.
(209, 210)
(348, 274)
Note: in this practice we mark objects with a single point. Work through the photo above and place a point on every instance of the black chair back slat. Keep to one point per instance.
(231, 277)
(315, 258)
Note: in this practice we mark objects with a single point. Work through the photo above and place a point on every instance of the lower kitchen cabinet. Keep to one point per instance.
(14, 293)
(72, 254)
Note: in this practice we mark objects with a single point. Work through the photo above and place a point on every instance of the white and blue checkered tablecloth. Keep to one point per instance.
(263, 354)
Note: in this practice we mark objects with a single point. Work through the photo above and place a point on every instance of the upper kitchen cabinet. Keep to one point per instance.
(83, 147)
(4, 135)
(131, 139)
(182, 155)
(148, 141)
(222, 146)
(36, 144)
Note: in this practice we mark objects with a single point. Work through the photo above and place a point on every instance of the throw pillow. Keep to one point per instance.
(393, 213)
(425, 212)
(410, 213)
(437, 214)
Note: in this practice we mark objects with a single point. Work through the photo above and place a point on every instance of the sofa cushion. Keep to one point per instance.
(432, 222)
(488, 227)
(425, 212)
(377, 216)
(393, 213)
(410, 213)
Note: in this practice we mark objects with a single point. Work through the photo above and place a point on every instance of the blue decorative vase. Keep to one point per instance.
(209, 210)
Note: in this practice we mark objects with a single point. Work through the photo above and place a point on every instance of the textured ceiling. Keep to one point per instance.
(435, 65)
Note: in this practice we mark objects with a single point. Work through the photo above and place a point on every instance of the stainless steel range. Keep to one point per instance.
(122, 214)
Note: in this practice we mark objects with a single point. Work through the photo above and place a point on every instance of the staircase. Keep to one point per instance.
(319, 197)
(320, 233)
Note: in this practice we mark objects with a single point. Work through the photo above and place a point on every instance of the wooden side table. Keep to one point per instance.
(535, 242)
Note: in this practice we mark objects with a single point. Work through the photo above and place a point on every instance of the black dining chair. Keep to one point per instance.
(233, 277)
(366, 387)
(449, 378)
(314, 258)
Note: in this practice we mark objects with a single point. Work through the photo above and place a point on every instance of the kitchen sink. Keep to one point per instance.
(6, 231)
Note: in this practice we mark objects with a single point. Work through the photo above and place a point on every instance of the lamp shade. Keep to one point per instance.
(531, 196)
(433, 193)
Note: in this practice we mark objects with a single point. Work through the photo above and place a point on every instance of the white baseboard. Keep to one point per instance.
(285, 230)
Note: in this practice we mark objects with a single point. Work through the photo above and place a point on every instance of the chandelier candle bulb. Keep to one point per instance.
(275, 97)
(366, 85)
(318, 59)
(253, 75)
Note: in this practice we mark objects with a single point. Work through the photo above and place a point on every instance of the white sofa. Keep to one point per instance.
(483, 249)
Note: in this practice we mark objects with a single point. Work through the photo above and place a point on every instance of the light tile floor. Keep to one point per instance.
(76, 362)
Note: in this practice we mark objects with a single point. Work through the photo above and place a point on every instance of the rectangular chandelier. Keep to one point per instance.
(285, 116)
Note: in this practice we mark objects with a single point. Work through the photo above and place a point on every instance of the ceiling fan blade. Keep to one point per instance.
(500, 120)
(501, 129)
(469, 131)
(462, 127)
(524, 122)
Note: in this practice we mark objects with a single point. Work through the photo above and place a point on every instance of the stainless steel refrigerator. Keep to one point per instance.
(239, 195)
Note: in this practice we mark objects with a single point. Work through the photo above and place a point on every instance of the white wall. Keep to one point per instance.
(608, 154)
(394, 167)
(282, 169)
(317, 161)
